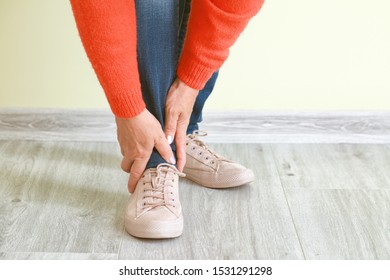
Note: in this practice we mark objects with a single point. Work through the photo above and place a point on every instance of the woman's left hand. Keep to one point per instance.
(178, 108)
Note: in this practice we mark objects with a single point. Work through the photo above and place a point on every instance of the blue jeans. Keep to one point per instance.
(161, 28)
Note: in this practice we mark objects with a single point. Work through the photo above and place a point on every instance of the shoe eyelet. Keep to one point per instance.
(144, 183)
(200, 153)
(173, 180)
(193, 148)
(207, 158)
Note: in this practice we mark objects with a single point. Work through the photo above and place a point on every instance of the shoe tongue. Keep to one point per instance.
(156, 193)
(158, 183)
(160, 178)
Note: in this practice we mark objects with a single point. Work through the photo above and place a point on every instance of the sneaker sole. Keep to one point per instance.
(229, 180)
(158, 230)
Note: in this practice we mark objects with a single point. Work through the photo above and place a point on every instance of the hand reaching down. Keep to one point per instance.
(178, 108)
(137, 137)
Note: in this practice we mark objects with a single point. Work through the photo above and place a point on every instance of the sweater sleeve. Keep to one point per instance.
(107, 29)
(213, 27)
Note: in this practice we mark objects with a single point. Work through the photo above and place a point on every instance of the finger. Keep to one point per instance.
(164, 149)
(137, 169)
(180, 141)
(126, 163)
(170, 126)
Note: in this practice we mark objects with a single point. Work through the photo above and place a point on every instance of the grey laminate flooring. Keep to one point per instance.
(66, 200)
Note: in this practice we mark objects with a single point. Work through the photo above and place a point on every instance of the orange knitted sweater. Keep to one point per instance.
(108, 32)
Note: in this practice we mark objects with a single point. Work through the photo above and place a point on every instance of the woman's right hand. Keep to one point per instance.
(137, 136)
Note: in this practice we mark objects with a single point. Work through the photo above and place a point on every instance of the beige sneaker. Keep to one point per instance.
(154, 209)
(205, 167)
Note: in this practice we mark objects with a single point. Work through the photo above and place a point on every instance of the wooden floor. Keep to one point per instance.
(66, 200)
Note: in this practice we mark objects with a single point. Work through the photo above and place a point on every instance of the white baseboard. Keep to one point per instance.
(222, 126)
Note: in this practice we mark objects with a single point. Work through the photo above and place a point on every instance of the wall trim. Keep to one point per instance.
(222, 126)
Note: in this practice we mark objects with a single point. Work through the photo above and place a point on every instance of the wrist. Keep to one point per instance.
(123, 118)
(184, 88)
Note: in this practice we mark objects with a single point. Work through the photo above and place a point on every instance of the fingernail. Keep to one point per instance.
(173, 160)
(170, 139)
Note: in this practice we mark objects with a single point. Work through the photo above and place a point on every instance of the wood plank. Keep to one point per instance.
(248, 222)
(61, 197)
(342, 224)
(224, 126)
(333, 166)
(55, 256)
(298, 126)
(57, 125)
(67, 199)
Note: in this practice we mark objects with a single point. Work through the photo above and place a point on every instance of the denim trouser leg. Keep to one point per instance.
(157, 28)
(196, 116)
(161, 27)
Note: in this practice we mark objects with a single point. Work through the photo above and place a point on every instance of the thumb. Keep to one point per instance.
(180, 142)
(136, 171)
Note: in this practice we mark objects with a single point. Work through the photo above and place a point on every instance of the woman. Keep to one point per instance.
(158, 61)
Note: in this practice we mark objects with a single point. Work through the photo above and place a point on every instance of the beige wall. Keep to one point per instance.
(295, 55)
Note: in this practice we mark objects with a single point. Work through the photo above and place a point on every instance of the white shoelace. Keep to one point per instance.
(210, 154)
(161, 177)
